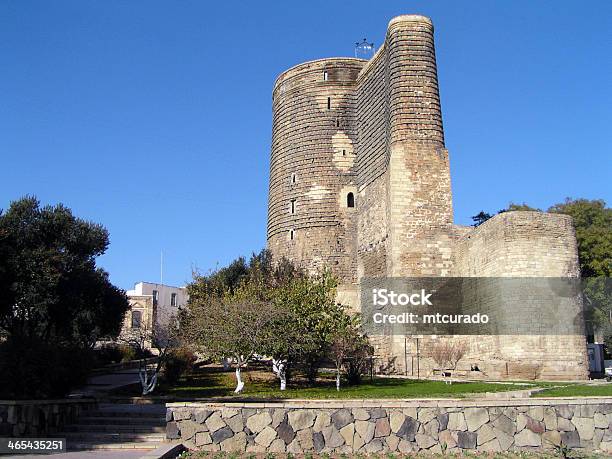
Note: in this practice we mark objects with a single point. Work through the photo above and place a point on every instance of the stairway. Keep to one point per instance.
(117, 426)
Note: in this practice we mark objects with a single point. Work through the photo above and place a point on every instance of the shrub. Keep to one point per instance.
(127, 352)
(32, 369)
(107, 354)
(359, 360)
(178, 362)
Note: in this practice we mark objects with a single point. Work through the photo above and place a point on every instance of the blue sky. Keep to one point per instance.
(154, 118)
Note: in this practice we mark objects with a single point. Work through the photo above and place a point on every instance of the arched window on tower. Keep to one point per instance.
(350, 200)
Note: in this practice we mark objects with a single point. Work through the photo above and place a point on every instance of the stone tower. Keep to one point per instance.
(360, 183)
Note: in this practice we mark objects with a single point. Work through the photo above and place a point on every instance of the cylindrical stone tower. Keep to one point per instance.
(419, 192)
(312, 196)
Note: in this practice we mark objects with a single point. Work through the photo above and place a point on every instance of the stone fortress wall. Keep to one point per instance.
(374, 129)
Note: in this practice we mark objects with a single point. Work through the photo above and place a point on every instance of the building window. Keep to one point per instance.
(343, 152)
(325, 76)
(291, 235)
(155, 297)
(329, 103)
(350, 200)
(136, 319)
(173, 299)
(293, 178)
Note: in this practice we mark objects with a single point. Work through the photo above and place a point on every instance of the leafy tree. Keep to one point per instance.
(230, 326)
(520, 207)
(52, 295)
(274, 309)
(593, 223)
(480, 218)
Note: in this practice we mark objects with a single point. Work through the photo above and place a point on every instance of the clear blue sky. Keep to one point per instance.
(154, 118)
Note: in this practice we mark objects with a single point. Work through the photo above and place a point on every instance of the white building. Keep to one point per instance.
(151, 305)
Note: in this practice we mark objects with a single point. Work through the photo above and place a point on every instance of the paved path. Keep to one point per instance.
(107, 382)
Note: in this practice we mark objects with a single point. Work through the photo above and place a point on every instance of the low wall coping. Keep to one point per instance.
(381, 403)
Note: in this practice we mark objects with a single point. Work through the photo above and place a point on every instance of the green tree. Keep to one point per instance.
(593, 223)
(480, 218)
(280, 311)
(520, 207)
(52, 295)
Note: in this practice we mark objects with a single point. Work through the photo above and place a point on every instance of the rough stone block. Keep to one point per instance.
(222, 434)
(382, 428)
(342, 418)
(466, 440)
(323, 420)
(214, 422)
(332, 437)
(301, 419)
(285, 432)
(237, 443)
(348, 433)
(585, 427)
(527, 438)
(266, 436)
(456, 421)
(360, 414)
(424, 441)
(259, 421)
(409, 429)
(203, 438)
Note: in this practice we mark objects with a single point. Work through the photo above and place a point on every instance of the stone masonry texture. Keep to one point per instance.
(404, 427)
(373, 129)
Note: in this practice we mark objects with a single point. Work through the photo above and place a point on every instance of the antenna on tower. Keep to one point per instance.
(364, 50)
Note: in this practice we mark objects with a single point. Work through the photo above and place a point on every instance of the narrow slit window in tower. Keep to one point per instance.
(324, 76)
(337, 122)
(291, 235)
(292, 207)
(343, 152)
(329, 103)
(350, 200)
(293, 178)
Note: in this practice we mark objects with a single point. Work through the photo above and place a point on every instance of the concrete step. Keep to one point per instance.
(125, 420)
(112, 437)
(88, 446)
(117, 428)
(134, 413)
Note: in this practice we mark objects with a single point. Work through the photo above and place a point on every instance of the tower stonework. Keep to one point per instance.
(360, 183)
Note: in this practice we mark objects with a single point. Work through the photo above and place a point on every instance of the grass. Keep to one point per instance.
(577, 390)
(260, 383)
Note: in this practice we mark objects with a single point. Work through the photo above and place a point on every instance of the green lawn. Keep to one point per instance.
(214, 383)
(578, 390)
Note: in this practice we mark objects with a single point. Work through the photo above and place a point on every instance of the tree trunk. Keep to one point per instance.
(148, 385)
(280, 368)
(239, 382)
(337, 379)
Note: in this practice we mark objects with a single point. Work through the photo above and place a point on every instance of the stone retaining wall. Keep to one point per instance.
(35, 418)
(390, 426)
